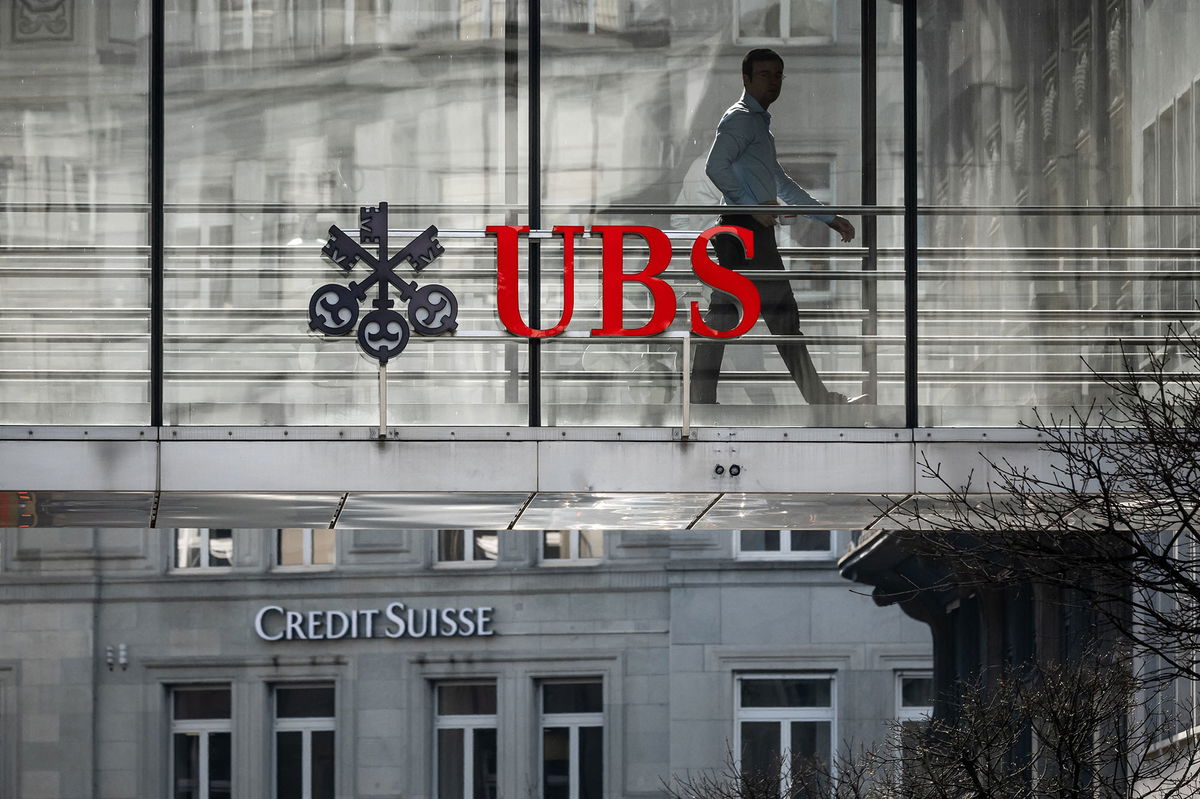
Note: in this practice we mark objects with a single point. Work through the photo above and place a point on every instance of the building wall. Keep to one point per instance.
(666, 620)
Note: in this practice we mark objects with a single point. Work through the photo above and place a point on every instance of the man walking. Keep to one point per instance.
(743, 165)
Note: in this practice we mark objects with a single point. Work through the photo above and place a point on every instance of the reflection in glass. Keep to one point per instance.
(289, 759)
(451, 754)
(556, 763)
(186, 768)
(485, 765)
(572, 697)
(322, 775)
(467, 699)
(591, 762)
(760, 747)
(816, 692)
(74, 202)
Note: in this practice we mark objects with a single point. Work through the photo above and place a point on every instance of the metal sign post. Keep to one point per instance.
(384, 332)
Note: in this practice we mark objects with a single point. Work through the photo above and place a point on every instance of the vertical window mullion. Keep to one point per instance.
(307, 537)
(785, 756)
(203, 777)
(573, 761)
(306, 764)
(468, 762)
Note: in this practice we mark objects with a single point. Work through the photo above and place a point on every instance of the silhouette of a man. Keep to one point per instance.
(742, 164)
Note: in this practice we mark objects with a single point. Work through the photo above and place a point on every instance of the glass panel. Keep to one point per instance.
(758, 19)
(760, 540)
(324, 546)
(188, 547)
(191, 704)
(485, 784)
(591, 762)
(916, 692)
(252, 188)
(323, 772)
(787, 693)
(220, 765)
(556, 763)
(810, 756)
(760, 749)
(450, 756)
(307, 702)
(450, 545)
(1016, 303)
(186, 773)
(629, 128)
(487, 545)
(572, 697)
(810, 540)
(291, 546)
(220, 547)
(811, 739)
(812, 19)
(591, 543)
(466, 700)
(289, 765)
(553, 545)
(74, 195)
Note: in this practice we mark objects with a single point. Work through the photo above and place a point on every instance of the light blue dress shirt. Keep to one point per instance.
(743, 165)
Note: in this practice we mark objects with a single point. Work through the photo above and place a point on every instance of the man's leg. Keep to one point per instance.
(722, 314)
(782, 315)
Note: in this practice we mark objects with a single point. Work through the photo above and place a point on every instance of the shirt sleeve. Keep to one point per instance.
(732, 139)
(793, 194)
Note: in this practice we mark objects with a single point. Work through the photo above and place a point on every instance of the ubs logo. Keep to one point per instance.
(383, 332)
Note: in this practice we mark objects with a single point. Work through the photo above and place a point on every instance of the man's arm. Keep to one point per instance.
(793, 194)
(730, 142)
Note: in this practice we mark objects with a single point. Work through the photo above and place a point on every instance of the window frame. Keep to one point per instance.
(203, 727)
(574, 722)
(572, 558)
(205, 534)
(785, 554)
(785, 24)
(465, 722)
(785, 716)
(468, 561)
(307, 548)
(306, 726)
(914, 712)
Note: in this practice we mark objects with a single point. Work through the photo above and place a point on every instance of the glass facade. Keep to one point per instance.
(1055, 205)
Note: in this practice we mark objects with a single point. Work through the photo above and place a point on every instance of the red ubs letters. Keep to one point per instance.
(614, 278)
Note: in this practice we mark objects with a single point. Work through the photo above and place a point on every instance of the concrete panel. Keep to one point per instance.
(77, 465)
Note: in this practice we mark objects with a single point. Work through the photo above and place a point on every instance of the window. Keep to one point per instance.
(783, 722)
(572, 545)
(468, 546)
(306, 547)
(914, 697)
(304, 737)
(572, 740)
(785, 21)
(202, 548)
(785, 544)
(465, 743)
(201, 751)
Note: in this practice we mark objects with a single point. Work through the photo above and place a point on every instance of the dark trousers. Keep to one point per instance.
(779, 310)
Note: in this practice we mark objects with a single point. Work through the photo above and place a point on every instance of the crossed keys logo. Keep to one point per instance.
(383, 333)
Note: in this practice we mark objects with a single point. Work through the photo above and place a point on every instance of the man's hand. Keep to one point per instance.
(843, 228)
(768, 220)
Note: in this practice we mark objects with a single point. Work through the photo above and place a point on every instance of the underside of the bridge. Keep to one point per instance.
(486, 478)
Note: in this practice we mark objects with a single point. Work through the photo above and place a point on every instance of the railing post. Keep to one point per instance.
(910, 214)
(685, 425)
(157, 200)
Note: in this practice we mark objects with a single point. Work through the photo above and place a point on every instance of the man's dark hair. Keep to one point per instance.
(759, 54)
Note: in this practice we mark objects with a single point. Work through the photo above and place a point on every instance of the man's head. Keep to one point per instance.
(762, 75)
